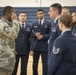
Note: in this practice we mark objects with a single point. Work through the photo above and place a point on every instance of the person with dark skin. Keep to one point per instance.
(9, 29)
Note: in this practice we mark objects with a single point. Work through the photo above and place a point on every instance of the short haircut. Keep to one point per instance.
(57, 6)
(7, 9)
(21, 12)
(40, 10)
(65, 7)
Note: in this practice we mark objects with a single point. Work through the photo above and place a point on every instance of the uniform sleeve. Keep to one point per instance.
(58, 30)
(32, 39)
(8, 31)
(55, 57)
(54, 34)
(46, 37)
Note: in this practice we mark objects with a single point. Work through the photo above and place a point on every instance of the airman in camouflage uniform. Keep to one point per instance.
(8, 34)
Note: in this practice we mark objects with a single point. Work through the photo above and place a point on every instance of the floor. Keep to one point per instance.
(29, 69)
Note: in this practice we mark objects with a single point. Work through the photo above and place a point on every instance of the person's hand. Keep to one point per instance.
(37, 34)
(31, 53)
(40, 37)
(13, 16)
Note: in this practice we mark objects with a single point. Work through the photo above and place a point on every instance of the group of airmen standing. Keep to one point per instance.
(55, 42)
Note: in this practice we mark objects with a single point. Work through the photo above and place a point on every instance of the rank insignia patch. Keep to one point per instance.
(56, 50)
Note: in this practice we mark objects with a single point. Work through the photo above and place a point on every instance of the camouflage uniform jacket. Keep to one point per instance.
(8, 34)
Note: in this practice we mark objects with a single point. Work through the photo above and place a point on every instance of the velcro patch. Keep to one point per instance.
(7, 29)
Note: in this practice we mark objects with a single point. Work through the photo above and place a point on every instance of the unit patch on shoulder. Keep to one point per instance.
(7, 29)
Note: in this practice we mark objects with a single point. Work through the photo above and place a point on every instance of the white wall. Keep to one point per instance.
(36, 3)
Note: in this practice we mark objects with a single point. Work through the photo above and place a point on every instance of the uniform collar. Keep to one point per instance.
(21, 24)
(42, 21)
(66, 31)
(56, 19)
